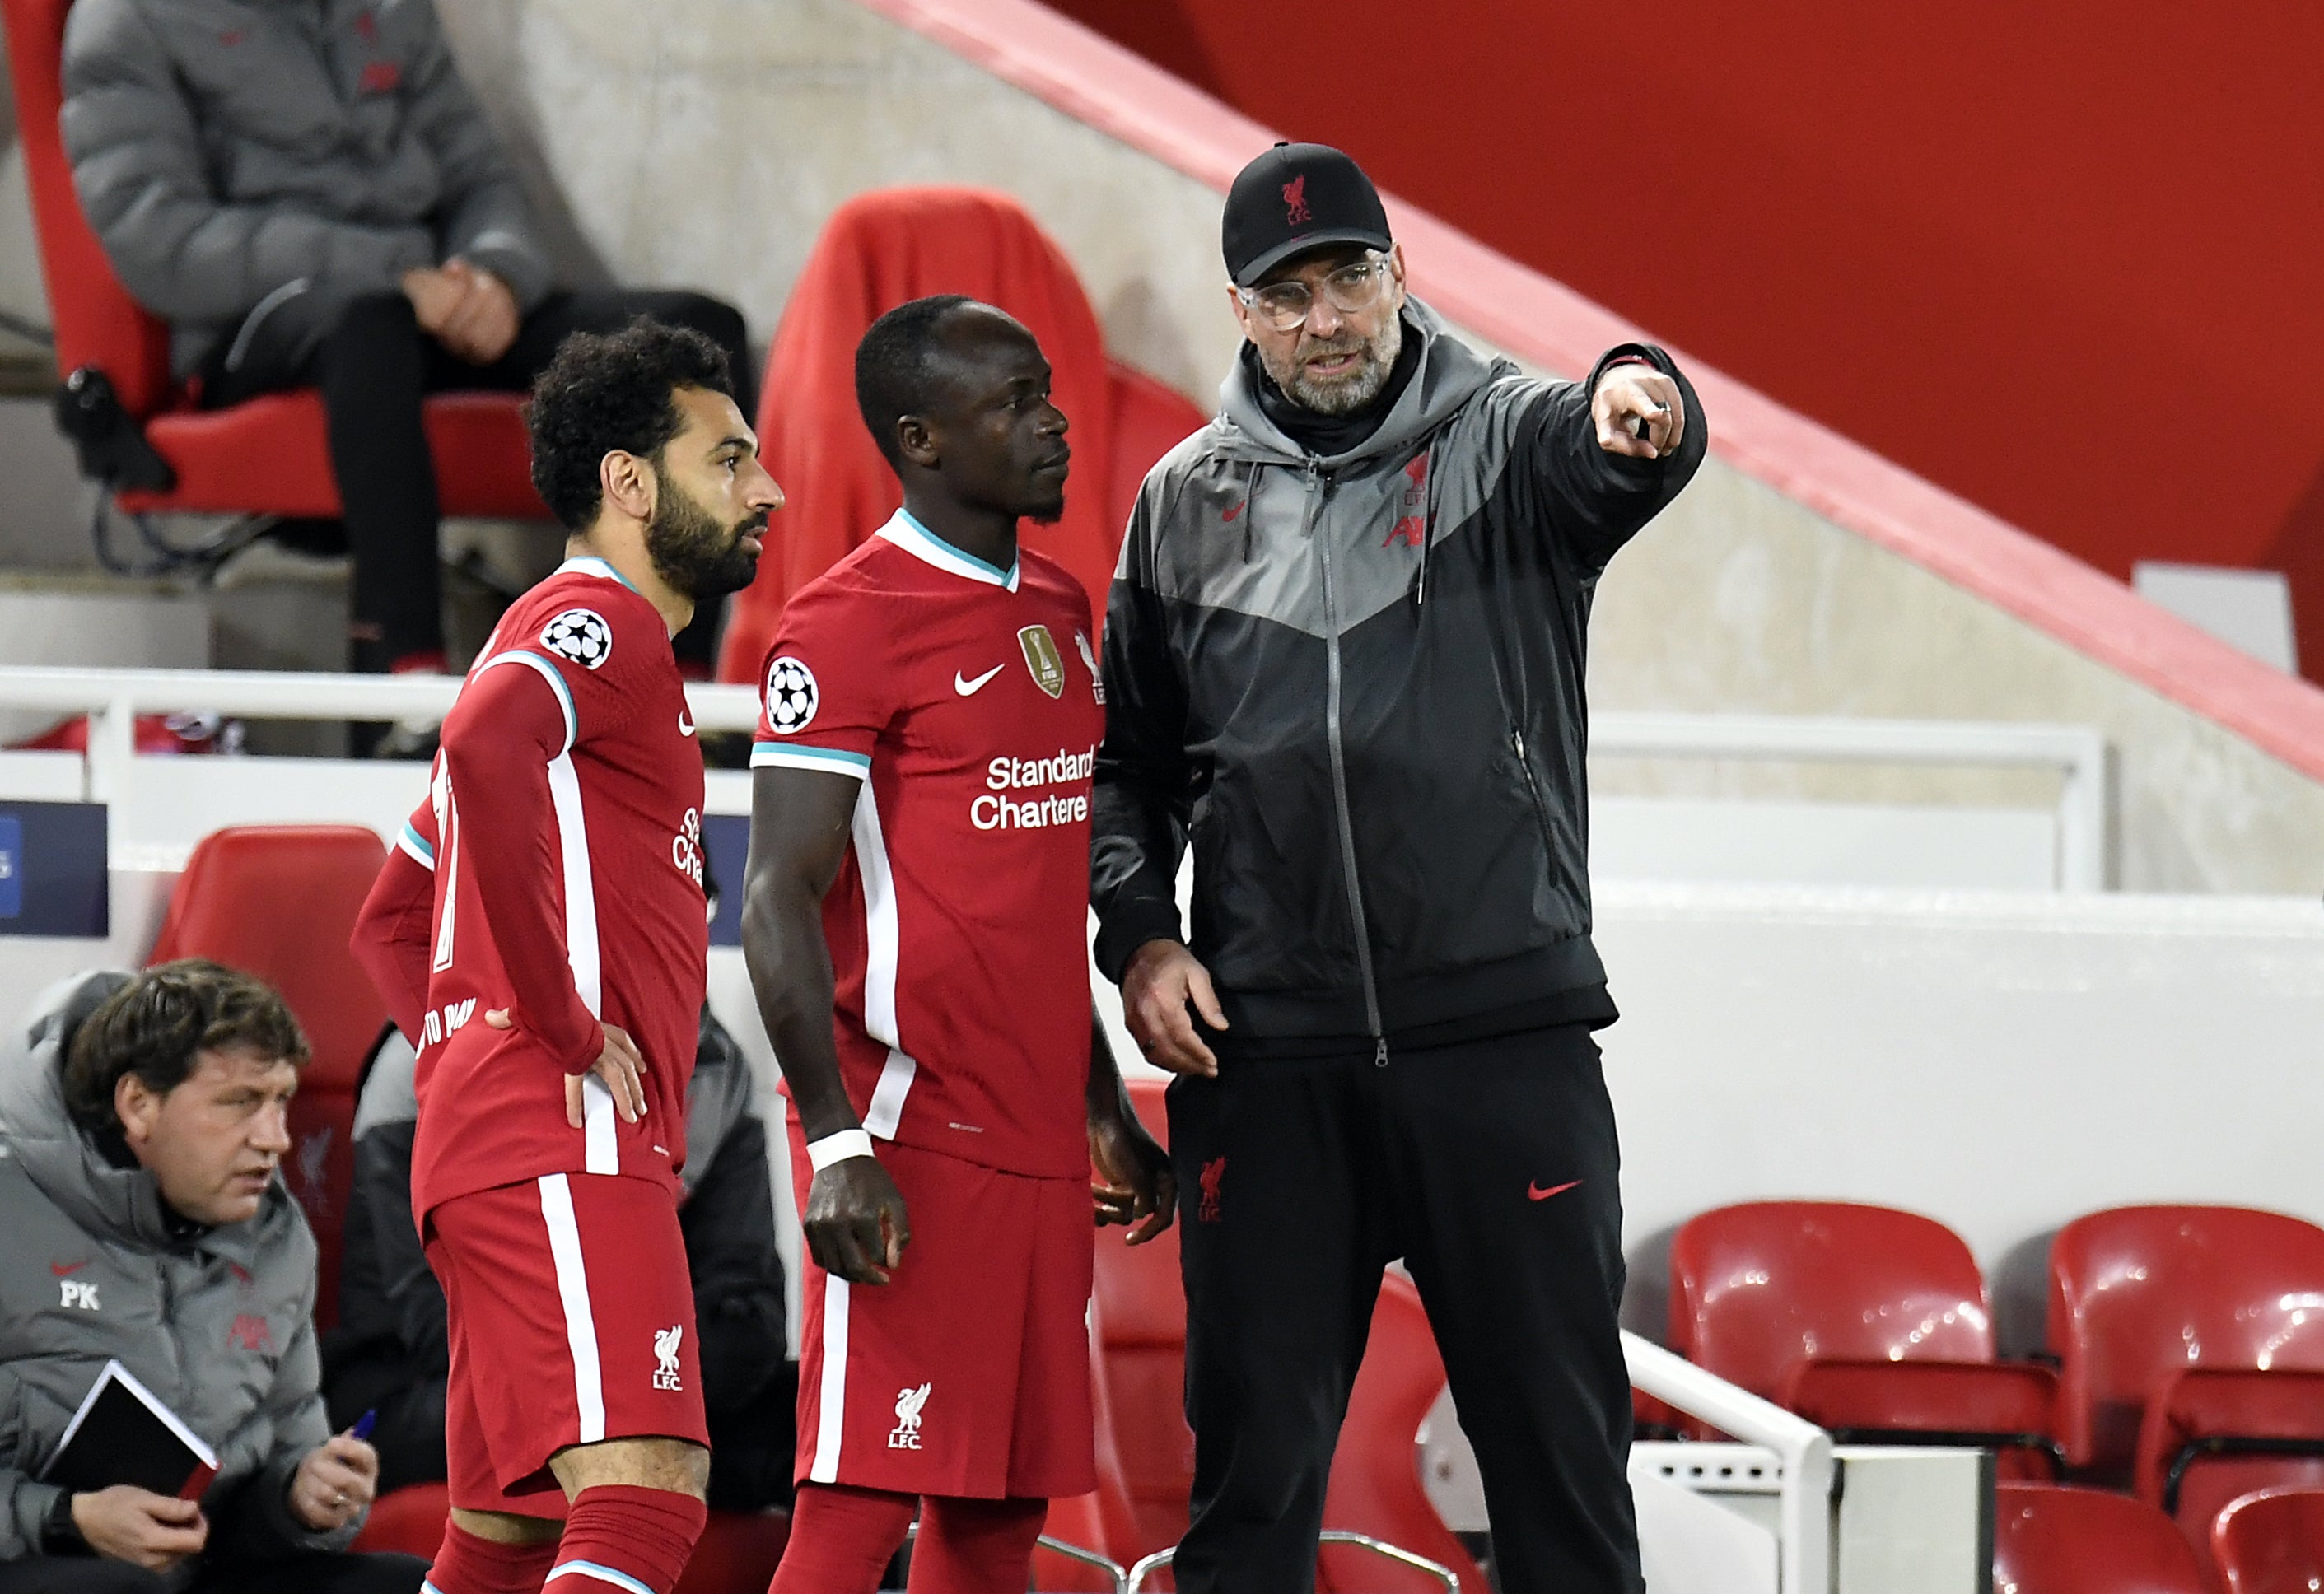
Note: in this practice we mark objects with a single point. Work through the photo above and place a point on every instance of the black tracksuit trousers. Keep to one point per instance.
(1491, 1167)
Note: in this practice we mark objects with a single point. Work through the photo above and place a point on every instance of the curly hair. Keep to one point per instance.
(609, 390)
(158, 1025)
(896, 361)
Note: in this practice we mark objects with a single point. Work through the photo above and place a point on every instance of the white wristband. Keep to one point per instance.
(838, 1147)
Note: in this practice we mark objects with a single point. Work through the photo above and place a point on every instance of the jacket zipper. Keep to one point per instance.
(1533, 787)
(1317, 486)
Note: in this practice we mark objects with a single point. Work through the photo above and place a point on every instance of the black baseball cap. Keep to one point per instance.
(1293, 198)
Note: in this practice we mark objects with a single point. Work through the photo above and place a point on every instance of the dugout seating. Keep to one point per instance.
(280, 901)
(877, 251)
(2053, 1540)
(1867, 1321)
(269, 455)
(2271, 1542)
(1146, 1452)
(2191, 1341)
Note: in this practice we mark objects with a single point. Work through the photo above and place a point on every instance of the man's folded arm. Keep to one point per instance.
(511, 724)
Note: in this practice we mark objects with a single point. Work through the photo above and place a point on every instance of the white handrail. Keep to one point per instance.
(1805, 1541)
(286, 694)
(113, 697)
(2078, 752)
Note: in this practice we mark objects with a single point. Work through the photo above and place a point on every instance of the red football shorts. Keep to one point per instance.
(572, 1320)
(968, 1373)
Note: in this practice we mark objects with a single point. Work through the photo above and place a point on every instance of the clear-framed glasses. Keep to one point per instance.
(1353, 287)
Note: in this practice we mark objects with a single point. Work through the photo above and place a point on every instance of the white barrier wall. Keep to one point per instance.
(2000, 1061)
(2003, 1062)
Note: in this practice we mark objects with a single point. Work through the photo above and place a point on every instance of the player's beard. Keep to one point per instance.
(1341, 395)
(1047, 510)
(692, 551)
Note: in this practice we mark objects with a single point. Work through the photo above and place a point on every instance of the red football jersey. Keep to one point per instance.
(564, 831)
(967, 699)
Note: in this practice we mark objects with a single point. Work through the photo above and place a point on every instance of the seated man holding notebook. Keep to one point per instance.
(161, 1425)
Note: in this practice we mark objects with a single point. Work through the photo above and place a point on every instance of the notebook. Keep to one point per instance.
(122, 1433)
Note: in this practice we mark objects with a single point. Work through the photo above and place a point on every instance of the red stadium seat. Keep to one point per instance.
(2191, 1352)
(2271, 1542)
(266, 456)
(1079, 1521)
(1374, 1487)
(737, 1553)
(1867, 1321)
(1139, 1318)
(877, 251)
(280, 902)
(2048, 1540)
(1146, 1452)
(409, 1520)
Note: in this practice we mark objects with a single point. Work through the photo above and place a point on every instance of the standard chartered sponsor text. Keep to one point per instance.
(993, 811)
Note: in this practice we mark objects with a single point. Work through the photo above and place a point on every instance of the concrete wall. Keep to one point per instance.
(709, 148)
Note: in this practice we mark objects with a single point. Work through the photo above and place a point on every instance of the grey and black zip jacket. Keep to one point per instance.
(1354, 684)
(216, 1322)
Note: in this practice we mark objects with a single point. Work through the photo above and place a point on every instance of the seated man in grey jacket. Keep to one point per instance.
(141, 1121)
(391, 1351)
(312, 197)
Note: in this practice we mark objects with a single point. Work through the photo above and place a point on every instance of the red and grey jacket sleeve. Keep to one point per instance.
(391, 934)
(1595, 501)
(1139, 805)
(505, 741)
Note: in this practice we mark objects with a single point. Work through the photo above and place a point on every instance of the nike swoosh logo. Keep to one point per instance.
(61, 1268)
(684, 725)
(968, 688)
(1535, 1193)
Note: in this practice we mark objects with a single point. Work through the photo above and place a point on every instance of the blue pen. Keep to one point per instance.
(364, 1423)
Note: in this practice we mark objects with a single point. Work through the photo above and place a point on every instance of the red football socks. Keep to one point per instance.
(975, 1546)
(621, 1537)
(466, 1564)
(842, 1539)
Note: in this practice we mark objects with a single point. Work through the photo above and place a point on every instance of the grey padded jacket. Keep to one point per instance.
(233, 153)
(218, 1322)
(1354, 684)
